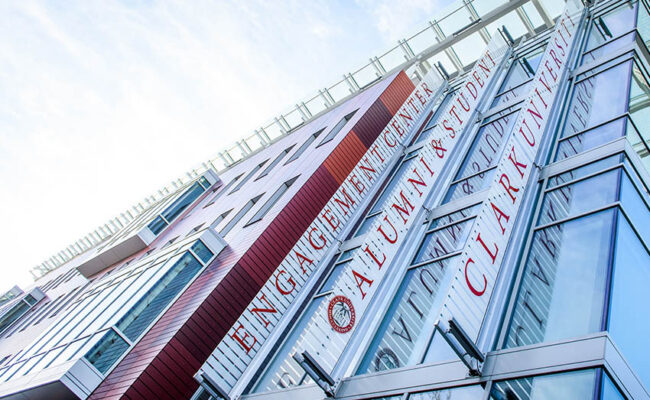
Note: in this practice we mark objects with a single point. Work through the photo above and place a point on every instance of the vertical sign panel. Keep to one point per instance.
(335, 320)
(236, 351)
(480, 262)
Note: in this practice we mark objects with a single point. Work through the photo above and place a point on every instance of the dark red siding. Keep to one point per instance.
(162, 364)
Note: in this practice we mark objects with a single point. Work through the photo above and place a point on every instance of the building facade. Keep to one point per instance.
(472, 223)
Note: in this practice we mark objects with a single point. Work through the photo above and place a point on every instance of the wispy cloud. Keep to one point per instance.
(102, 102)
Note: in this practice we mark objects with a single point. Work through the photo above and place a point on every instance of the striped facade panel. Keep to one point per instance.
(193, 327)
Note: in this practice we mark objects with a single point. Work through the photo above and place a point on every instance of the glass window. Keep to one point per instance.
(591, 138)
(576, 385)
(275, 162)
(589, 194)
(433, 121)
(240, 214)
(562, 292)
(443, 241)
(519, 76)
(404, 333)
(271, 202)
(460, 393)
(630, 299)
(177, 207)
(337, 128)
(107, 351)
(304, 146)
(598, 98)
(149, 307)
(473, 175)
(284, 371)
(609, 391)
(583, 171)
(248, 177)
(612, 25)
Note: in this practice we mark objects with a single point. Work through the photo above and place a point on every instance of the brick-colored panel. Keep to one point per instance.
(397, 93)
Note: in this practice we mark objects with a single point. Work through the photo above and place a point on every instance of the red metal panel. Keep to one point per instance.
(161, 366)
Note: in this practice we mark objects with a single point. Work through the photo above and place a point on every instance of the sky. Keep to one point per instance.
(104, 102)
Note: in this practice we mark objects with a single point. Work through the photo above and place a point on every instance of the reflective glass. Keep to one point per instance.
(640, 103)
(576, 385)
(635, 207)
(202, 251)
(598, 99)
(579, 197)
(585, 170)
(143, 313)
(183, 202)
(563, 288)
(609, 391)
(630, 298)
(456, 216)
(394, 180)
(284, 371)
(612, 25)
(157, 225)
(461, 393)
(443, 241)
(591, 139)
(519, 76)
(107, 351)
(470, 185)
(403, 334)
(607, 48)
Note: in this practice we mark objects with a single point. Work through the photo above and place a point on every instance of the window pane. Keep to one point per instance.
(640, 102)
(470, 185)
(611, 25)
(284, 371)
(157, 225)
(443, 241)
(577, 385)
(591, 139)
(181, 203)
(461, 393)
(140, 316)
(588, 169)
(598, 99)
(563, 288)
(487, 146)
(608, 48)
(394, 180)
(453, 217)
(109, 348)
(609, 390)
(201, 251)
(408, 323)
(635, 207)
(586, 195)
(630, 299)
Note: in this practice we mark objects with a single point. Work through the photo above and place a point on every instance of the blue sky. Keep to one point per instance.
(102, 102)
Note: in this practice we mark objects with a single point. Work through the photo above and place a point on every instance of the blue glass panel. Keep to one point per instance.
(630, 298)
(180, 204)
(157, 225)
(147, 309)
(563, 288)
(591, 139)
(202, 251)
(366, 225)
(635, 207)
(12, 315)
(470, 185)
(403, 335)
(576, 385)
(284, 372)
(609, 391)
(612, 25)
(586, 195)
(107, 351)
(608, 48)
(334, 276)
(394, 180)
(443, 241)
(598, 99)
(585, 170)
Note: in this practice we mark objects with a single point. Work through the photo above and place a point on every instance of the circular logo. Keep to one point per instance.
(386, 359)
(341, 314)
